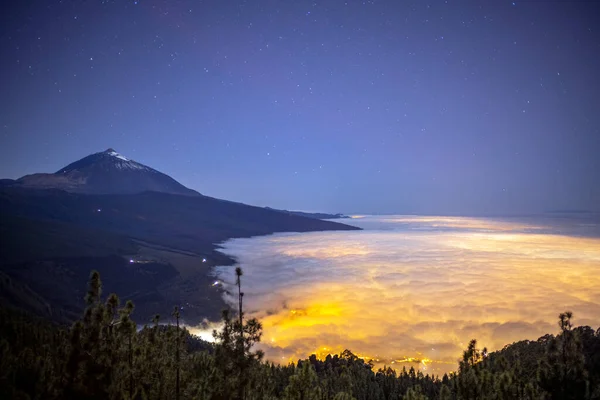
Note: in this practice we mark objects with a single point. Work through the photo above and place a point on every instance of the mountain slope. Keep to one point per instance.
(107, 172)
(192, 223)
(52, 238)
(311, 215)
(150, 237)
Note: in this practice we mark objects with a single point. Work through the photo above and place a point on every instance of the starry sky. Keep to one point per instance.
(444, 107)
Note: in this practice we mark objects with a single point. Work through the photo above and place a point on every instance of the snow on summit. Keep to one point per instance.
(127, 164)
(119, 156)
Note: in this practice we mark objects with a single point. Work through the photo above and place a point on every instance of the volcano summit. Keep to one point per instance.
(106, 172)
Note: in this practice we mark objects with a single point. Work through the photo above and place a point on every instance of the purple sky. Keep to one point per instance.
(343, 106)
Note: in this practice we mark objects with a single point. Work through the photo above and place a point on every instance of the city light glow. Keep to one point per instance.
(414, 290)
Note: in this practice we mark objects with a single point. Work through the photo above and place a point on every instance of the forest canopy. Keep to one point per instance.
(103, 355)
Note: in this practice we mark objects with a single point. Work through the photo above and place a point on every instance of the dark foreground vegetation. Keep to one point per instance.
(104, 356)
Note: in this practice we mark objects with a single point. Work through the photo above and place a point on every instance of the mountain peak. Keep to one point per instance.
(107, 172)
(111, 152)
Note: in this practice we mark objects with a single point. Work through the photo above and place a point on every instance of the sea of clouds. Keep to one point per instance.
(416, 289)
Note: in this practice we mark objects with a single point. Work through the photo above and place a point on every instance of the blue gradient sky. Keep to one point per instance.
(347, 106)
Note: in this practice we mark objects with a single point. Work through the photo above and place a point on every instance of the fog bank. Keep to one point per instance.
(416, 288)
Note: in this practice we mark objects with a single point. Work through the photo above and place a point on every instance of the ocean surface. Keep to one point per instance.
(413, 290)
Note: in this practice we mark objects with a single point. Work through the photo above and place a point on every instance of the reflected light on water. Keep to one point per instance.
(414, 290)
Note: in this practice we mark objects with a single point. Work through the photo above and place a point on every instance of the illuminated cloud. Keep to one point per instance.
(414, 287)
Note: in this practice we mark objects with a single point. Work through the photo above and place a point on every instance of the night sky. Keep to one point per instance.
(343, 106)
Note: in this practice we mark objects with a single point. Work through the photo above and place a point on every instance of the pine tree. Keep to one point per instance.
(343, 396)
(303, 384)
(414, 393)
(562, 374)
(235, 358)
(177, 349)
(445, 393)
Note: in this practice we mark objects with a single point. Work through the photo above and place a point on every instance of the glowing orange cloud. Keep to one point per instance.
(417, 291)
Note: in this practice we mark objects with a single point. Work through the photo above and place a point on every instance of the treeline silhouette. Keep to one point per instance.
(104, 356)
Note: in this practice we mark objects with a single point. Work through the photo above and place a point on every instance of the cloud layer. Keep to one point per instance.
(415, 288)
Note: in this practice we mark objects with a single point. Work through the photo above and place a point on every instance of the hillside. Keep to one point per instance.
(312, 215)
(191, 223)
(153, 239)
(51, 239)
